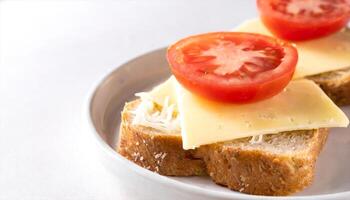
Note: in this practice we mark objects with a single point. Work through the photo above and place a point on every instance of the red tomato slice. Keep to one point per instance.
(304, 19)
(233, 67)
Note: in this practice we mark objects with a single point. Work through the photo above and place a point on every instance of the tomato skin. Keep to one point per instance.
(295, 32)
(297, 29)
(240, 93)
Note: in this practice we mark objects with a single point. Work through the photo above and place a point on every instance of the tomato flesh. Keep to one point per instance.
(304, 19)
(233, 67)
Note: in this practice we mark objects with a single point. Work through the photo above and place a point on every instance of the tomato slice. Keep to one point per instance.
(304, 19)
(232, 66)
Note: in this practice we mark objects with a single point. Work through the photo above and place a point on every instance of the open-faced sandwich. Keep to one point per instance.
(246, 107)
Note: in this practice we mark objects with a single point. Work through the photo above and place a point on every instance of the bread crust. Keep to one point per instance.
(249, 171)
(336, 84)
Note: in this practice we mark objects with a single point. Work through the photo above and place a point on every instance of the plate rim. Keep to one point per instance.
(164, 179)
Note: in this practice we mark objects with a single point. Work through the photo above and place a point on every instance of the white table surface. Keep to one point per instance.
(51, 54)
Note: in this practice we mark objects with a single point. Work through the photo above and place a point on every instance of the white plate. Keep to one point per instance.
(103, 109)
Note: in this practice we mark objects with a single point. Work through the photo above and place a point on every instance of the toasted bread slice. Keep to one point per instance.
(280, 164)
(336, 84)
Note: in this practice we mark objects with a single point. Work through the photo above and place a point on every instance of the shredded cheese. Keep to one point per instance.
(147, 114)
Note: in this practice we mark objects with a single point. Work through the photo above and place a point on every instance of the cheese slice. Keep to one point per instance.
(315, 56)
(301, 106)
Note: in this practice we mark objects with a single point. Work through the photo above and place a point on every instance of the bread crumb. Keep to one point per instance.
(240, 190)
(211, 174)
(242, 178)
(163, 156)
(141, 158)
(160, 155)
(136, 155)
(137, 143)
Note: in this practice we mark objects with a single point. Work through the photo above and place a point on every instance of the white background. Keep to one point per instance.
(52, 52)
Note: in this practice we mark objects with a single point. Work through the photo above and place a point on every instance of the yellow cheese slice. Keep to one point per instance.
(302, 105)
(315, 56)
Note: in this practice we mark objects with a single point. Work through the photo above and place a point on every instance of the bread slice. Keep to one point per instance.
(280, 164)
(336, 84)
